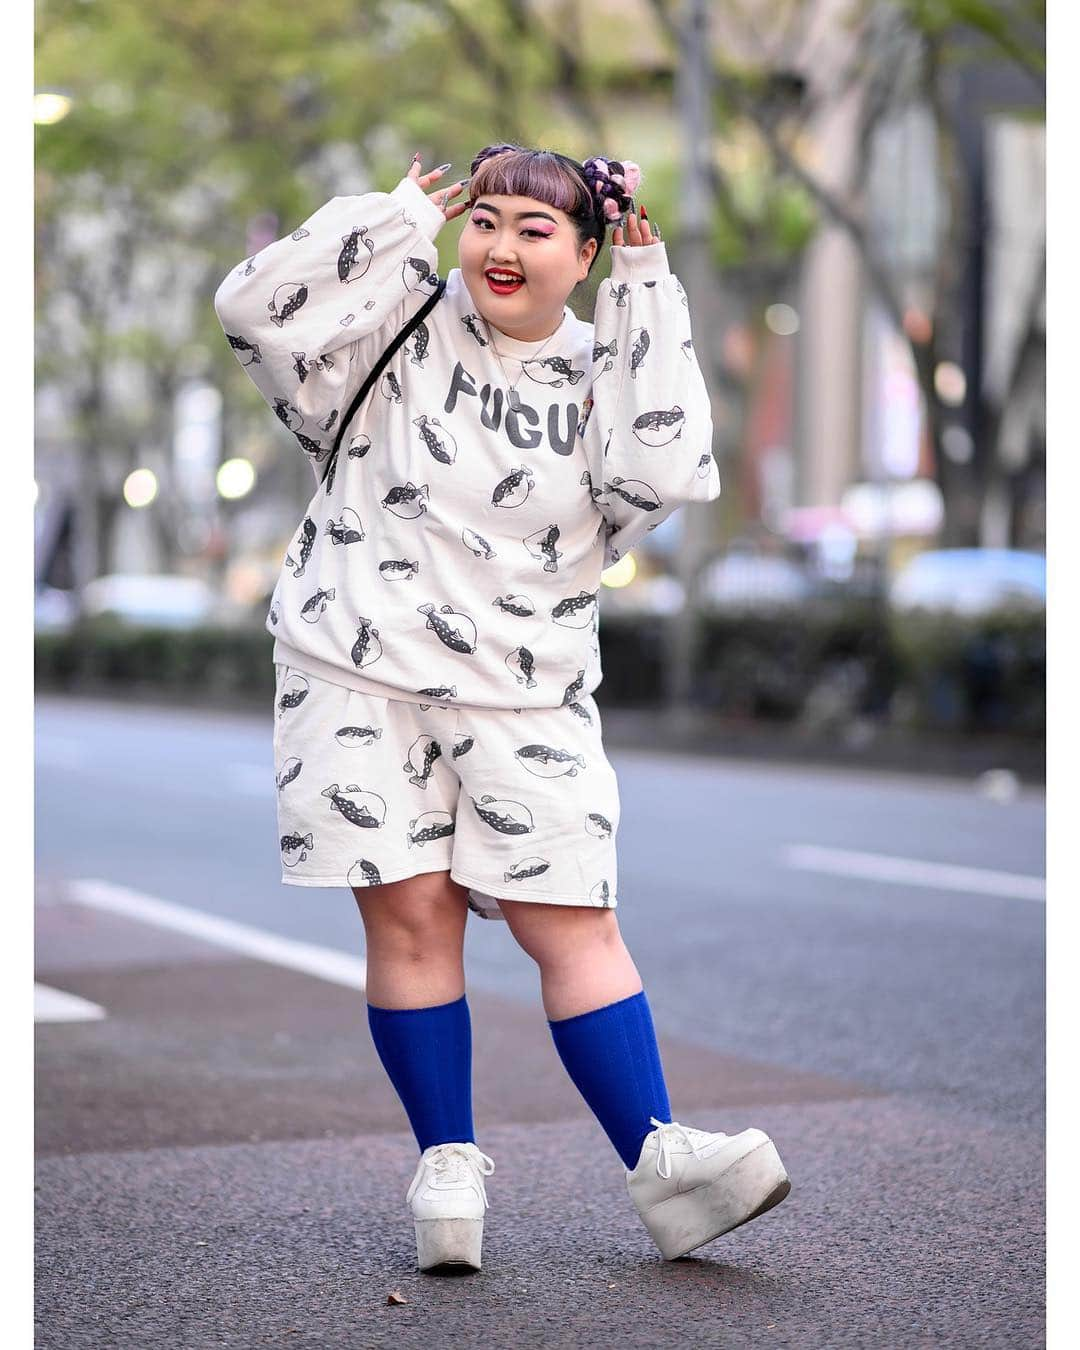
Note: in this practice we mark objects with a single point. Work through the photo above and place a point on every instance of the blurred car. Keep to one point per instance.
(971, 580)
(750, 580)
(155, 599)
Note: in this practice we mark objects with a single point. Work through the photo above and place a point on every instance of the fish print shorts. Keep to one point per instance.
(516, 806)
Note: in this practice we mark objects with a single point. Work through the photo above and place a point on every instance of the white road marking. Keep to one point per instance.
(322, 962)
(54, 1005)
(913, 872)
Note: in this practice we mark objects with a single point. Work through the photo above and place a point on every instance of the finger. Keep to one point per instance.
(632, 230)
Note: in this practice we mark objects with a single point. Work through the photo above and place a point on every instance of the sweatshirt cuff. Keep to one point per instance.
(412, 196)
(639, 262)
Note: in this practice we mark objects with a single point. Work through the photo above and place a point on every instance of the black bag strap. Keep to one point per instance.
(377, 369)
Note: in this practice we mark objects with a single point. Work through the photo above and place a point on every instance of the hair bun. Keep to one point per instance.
(613, 182)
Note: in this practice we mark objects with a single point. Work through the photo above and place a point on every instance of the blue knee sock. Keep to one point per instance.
(612, 1056)
(428, 1054)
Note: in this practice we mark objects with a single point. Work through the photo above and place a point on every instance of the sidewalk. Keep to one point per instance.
(223, 1162)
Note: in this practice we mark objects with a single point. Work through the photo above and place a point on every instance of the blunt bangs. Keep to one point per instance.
(540, 174)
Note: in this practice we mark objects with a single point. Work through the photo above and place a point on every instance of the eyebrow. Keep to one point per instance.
(521, 215)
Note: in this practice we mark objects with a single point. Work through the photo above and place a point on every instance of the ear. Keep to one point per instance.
(588, 252)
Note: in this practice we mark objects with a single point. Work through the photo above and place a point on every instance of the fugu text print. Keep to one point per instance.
(520, 427)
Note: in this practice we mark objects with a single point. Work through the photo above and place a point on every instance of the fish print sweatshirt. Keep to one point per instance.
(453, 553)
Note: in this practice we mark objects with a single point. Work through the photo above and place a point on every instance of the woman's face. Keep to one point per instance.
(539, 243)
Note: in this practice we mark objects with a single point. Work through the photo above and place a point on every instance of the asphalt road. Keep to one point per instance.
(851, 961)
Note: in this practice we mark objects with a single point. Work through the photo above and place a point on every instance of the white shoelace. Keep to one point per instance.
(451, 1158)
(668, 1129)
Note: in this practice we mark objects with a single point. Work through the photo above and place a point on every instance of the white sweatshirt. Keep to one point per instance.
(454, 553)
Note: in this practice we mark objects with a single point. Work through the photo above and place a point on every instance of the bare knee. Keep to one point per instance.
(561, 934)
(416, 915)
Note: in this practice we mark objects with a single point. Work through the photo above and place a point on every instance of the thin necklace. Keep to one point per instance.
(513, 397)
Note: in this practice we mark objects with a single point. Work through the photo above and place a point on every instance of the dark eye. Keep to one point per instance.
(483, 220)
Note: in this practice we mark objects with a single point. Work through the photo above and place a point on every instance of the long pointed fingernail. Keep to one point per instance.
(443, 167)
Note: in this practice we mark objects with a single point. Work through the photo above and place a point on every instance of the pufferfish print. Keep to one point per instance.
(509, 491)
(599, 825)
(390, 388)
(600, 895)
(439, 691)
(541, 544)
(546, 762)
(440, 444)
(504, 815)
(296, 689)
(367, 648)
(308, 531)
(418, 275)
(521, 659)
(358, 806)
(289, 771)
(575, 611)
(348, 530)
(659, 427)
(359, 445)
(635, 493)
(312, 610)
(286, 300)
(581, 713)
(352, 738)
(574, 688)
(356, 253)
(241, 344)
(525, 868)
(363, 872)
(429, 826)
(477, 544)
(608, 351)
(639, 350)
(459, 636)
(398, 569)
(295, 848)
(420, 761)
(418, 351)
(407, 501)
(469, 320)
(554, 371)
(518, 605)
(288, 414)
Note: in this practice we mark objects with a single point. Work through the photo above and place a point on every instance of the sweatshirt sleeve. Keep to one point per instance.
(649, 433)
(295, 313)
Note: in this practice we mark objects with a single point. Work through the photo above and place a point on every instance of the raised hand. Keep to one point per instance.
(637, 232)
(443, 195)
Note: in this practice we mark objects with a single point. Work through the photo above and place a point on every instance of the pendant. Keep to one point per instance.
(514, 399)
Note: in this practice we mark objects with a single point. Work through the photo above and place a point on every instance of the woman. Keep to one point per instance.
(437, 744)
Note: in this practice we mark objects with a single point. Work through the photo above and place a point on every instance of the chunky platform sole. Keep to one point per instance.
(454, 1242)
(749, 1187)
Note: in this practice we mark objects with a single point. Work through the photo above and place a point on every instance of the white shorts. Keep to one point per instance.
(516, 806)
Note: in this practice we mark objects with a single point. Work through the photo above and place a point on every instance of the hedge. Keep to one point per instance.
(822, 664)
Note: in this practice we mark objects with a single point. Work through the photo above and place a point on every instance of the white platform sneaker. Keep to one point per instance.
(447, 1200)
(689, 1185)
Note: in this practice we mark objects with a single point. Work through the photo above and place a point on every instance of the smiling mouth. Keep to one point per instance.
(503, 287)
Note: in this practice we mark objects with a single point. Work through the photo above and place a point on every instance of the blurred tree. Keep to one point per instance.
(904, 52)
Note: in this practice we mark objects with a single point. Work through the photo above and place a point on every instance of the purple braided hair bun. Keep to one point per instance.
(614, 182)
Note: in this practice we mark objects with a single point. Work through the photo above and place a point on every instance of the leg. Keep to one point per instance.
(598, 1015)
(415, 935)
(583, 960)
(417, 1010)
